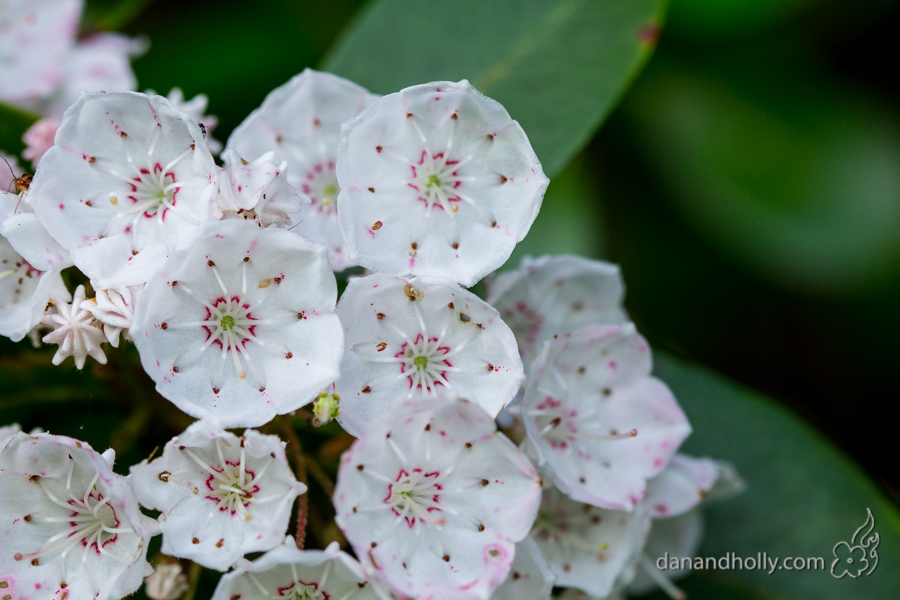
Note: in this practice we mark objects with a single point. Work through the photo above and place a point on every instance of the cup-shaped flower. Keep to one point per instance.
(221, 496)
(436, 179)
(433, 499)
(421, 338)
(257, 191)
(552, 295)
(602, 426)
(591, 548)
(69, 526)
(128, 179)
(301, 121)
(24, 292)
(240, 326)
(530, 577)
(287, 573)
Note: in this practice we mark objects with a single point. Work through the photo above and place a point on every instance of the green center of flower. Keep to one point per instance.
(421, 362)
(433, 182)
(227, 322)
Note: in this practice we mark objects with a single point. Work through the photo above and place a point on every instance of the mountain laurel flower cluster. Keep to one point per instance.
(220, 274)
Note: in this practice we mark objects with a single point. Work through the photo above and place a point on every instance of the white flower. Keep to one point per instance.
(301, 121)
(436, 179)
(674, 498)
(432, 498)
(168, 582)
(221, 496)
(101, 62)
(530, 577)
(75, 332)
(114, 309)
(591, 548)
(287, 573)
(257, 191)
(552, 295)
(195, 108)
(69, 526)
(7, 433)
(419, 338)
(241, 325)
(28, 237)
(601, 424)
(24, 293)
(127, 181)
(37, 35)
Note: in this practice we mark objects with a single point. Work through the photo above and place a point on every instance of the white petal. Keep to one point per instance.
(436, 179)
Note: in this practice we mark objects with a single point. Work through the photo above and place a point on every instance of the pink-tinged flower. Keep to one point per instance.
(35, 38)
(101, 62)
(75, 331)
(421, 338)
(552, 295)
(301, 121)
(70, 528)
(436, 179)
(433, 499)
(114, 311)
(601, 425)
(221, 496)
(128, 180)
(675, 499)
(530, 578)
(257, 191)
(240, 326)
(39, 138)
(590, 548)
(287, 573)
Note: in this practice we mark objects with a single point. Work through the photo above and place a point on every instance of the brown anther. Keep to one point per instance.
(164, 476)
(409, 115)
(92, 159)
(490, 137)
(374, 545)
(289, 355)
(582, 369)
(413, 293)
(428, 427)
(446, 558)
(34, 562)
(366, 390)
(246, 259)
(195, 541)
(371, 189)
(381, 346)
(210, 263)
(220, 543)
(455, 245)
(123, 134)
(359, 467)
(493, 223)
(503, 179)
(414, 245)
(261, 390)
(484, 482)
(378, 148)
(174, 369)
(379, 316)
(454, 116)
(215, 390)
(481, 528)
(377, 225)
(27, 519)
(490, 367)
(317, 122)
(607, 392)
(450, 305)
(163, 325)
(468, 444)
(278, 280)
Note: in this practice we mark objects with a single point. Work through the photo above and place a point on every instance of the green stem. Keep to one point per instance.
(299, 460)
(193, 581)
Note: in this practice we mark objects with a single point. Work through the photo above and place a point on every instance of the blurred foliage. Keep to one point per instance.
(557, 66)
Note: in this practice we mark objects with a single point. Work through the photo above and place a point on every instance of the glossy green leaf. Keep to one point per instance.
(558, 66)
(795, 176)
(803, 496)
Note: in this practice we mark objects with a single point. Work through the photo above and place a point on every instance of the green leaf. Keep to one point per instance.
(110, 15)
(558, 66)
(13, 123)
(803, 496)
(792, 174)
